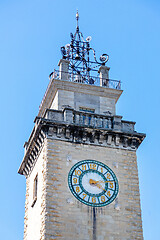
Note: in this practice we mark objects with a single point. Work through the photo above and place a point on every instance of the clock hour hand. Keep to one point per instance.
(92, 182)
(105, 181)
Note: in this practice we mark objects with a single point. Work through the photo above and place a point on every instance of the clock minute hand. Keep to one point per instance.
(93, 182)
(99, 186)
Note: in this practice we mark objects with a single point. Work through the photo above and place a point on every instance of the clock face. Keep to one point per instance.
(93, 183)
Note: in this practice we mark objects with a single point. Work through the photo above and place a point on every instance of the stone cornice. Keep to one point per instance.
(63, 130)
(93, 136)
(32, 149)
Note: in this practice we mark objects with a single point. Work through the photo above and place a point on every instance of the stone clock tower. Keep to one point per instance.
(80, 160)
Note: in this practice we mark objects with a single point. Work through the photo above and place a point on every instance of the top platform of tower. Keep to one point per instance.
(81, 72)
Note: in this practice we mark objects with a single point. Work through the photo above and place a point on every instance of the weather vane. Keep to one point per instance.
(82, 57)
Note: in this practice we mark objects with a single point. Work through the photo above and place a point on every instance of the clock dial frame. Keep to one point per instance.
(93, 183)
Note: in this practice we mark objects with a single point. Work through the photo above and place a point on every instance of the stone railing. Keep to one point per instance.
(92, 120)
(85, 119)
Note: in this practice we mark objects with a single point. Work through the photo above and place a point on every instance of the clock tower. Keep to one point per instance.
(80, 160)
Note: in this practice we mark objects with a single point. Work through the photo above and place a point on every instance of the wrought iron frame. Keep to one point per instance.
(82, 57)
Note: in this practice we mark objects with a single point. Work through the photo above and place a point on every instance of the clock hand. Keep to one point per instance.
(105, 181)
(99, 186)
(93, 182)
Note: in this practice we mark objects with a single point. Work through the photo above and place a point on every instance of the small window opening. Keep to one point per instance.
(35, 188)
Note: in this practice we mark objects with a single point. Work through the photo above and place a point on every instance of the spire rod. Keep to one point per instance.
(77, 17)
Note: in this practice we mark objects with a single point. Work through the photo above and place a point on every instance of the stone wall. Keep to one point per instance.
(67, 218)
(34, 220)
(76, 95)
(77, 100)
(58, 215)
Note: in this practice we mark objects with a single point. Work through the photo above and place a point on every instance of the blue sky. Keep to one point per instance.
(32, 33)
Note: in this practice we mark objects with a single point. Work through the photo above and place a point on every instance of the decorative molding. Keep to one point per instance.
(32, 152)
(81, 128)
(78, 134)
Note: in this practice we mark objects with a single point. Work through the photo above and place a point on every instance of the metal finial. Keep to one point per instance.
(77, 17)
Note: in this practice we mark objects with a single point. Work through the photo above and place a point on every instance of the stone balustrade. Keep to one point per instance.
(70, 125)
(86, 119)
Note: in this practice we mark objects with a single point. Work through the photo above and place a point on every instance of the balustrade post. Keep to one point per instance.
(105, 123)
(86, 119)
(95, 121)
(109, 123)
(101, 122)
(117, 122)
(92, 121)
(80, 119)
(98, 122)
(77, 119)
(68, 115)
